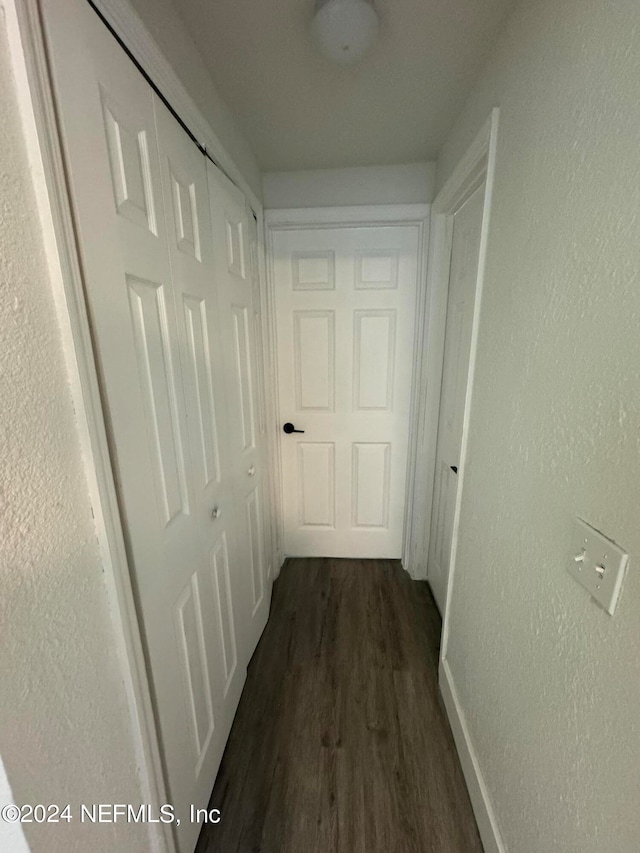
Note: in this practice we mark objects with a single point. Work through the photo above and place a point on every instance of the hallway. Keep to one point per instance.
(340, 743)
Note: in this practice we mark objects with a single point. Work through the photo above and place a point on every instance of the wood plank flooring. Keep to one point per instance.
(340, 743)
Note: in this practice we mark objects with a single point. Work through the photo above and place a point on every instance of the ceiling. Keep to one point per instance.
(299, 111)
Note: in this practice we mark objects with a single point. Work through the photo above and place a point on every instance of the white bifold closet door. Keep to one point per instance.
(165, 245)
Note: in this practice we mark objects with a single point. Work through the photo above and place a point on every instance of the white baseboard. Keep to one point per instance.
(482, 808)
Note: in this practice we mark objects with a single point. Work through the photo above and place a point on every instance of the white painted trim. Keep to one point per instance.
(360, 217)
(274, 414)
(270, 387)
(411, 522)
(130, 28)
(439, 253)
(478, 793)
(37, 109)
(470, 170)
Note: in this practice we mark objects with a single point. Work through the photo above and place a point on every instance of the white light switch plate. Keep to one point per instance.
(597, 563)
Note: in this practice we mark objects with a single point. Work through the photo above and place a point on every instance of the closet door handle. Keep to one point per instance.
(289, 428)
(216, 512)
(454, 468)
(252, 470)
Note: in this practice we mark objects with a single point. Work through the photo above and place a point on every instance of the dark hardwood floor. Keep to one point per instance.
(340, 743)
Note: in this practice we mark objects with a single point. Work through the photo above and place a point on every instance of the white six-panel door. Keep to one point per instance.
(152, 258)
(463, 274)
(346, 310)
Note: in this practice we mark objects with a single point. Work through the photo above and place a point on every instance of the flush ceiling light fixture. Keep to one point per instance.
(344, 30)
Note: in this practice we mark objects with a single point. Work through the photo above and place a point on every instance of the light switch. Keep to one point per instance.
(597, 563)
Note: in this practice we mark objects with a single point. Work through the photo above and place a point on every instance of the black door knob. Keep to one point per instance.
(289, 428)
(454, 468)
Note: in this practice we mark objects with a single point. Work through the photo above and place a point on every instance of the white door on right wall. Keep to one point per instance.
(463, 274)
(346, 309)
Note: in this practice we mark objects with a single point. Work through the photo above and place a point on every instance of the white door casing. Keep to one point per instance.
(346, 303)
(463, 274)
(142, 210)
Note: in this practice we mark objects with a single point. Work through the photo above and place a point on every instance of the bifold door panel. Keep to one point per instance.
(166, 248)
(236, 277)
(346, 309)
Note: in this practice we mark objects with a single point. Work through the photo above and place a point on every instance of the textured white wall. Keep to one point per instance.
(164, 23)
(410, 183)
(64, 723)
(549, 682)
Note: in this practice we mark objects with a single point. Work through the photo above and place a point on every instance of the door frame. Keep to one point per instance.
(476, 166)
(417, 215)
(36, 102)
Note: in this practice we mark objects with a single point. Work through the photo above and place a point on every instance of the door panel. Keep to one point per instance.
(256, 547)
(243, 376)
(199, 384)
(346, 304)
(316, 484)
(151, 324)
(370, 478)
(314, 360)
(377, 269)
(130, 162)
(463, 274)
(219, 559)
(374, 349)
(195, 668)
(313, 270)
